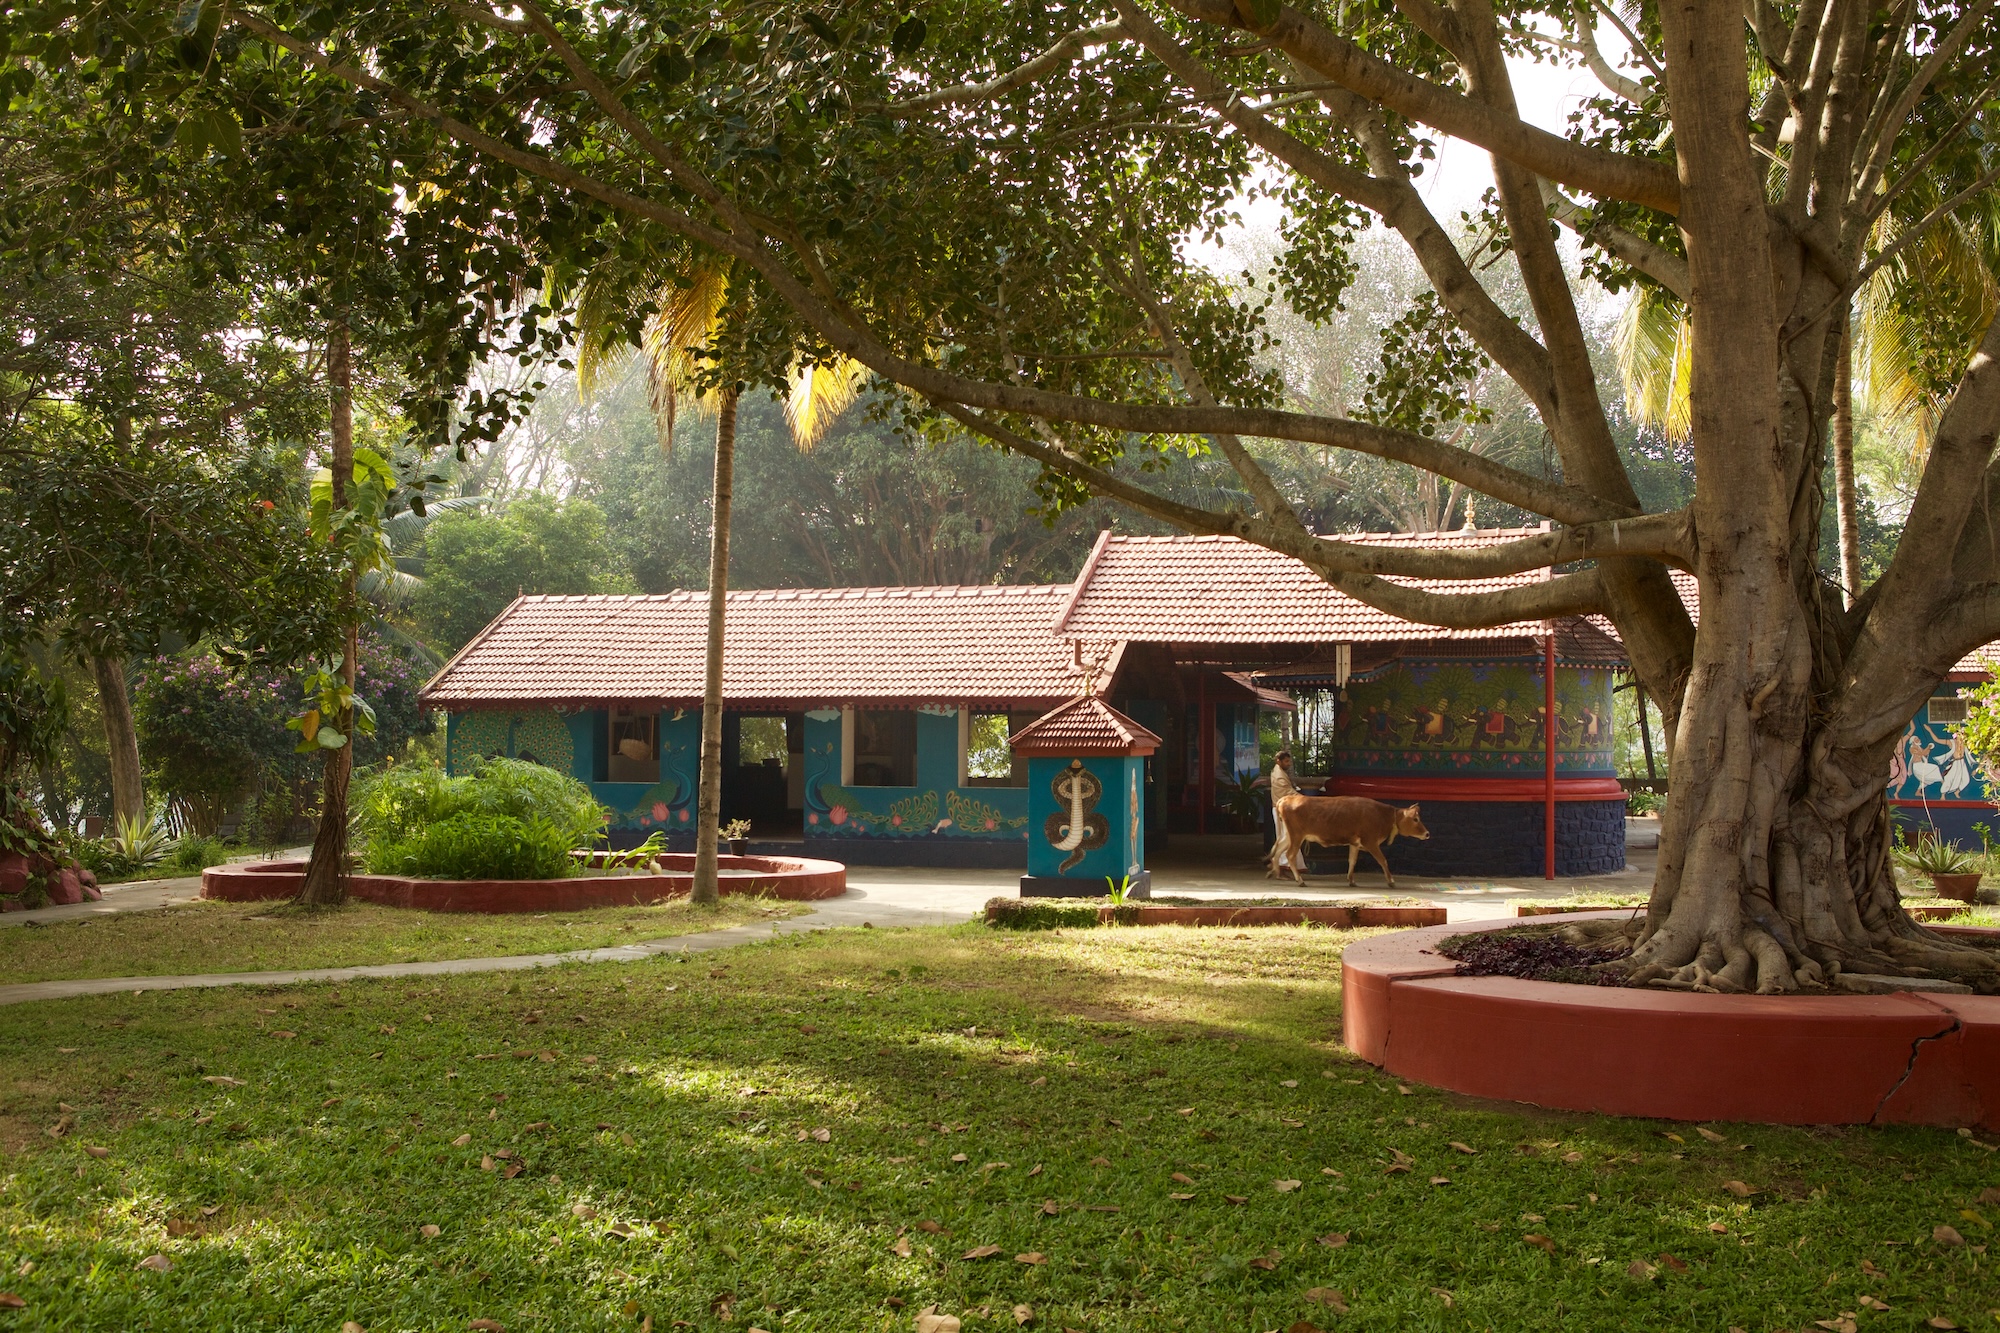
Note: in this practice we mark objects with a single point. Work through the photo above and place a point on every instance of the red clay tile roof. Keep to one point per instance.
(1086, 725)
(1224, 590)
(894, 646)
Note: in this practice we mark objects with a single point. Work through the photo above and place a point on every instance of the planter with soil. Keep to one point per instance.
(1503, 1019)
(1965, 888)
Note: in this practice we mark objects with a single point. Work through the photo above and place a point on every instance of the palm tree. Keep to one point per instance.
(684, 343)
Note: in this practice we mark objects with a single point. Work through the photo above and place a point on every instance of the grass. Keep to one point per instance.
(812, 1134)
(257, 937)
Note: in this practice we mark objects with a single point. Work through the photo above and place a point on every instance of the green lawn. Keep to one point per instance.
(259, 937)
(835, 1131)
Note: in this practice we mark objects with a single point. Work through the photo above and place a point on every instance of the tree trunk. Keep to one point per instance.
(708, 806)
(326, 874)
(1846, 501)
(121, 739)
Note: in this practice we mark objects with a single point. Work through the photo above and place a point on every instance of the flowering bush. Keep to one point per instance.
(209, 731)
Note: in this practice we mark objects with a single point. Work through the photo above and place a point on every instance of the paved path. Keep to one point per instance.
(876, 896)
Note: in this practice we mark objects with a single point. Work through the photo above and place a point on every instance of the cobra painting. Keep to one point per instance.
(1077, 827)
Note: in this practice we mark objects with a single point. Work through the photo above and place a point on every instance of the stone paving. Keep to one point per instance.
(877, 896)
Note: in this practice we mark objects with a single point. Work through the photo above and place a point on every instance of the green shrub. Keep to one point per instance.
(1642, 802)
(406, 807)
(478, 846)
(195, 853)
(1040, 913)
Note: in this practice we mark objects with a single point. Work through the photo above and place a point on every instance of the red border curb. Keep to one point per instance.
(1918, 913)
(795, 879)
(1223, 915)
(1790, 1060)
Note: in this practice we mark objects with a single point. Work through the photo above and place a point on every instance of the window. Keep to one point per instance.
(1947, 711)
(634, 749)
(989, 762)
(885, 747)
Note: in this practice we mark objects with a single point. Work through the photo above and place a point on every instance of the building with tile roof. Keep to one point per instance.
(871, 723)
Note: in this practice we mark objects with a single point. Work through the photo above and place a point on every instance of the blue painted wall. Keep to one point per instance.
(1935, 785)
(1121, 785)
(935, 822)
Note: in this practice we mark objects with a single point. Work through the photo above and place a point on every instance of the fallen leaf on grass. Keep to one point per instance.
(930, 1321)
(1739, 1189)
(1035, 1170)
(1036, 1083)
(1403, 1089)
(1640, 1269)
(960, 1158)
(286, 1035)
(349, 1326)
(1266, 1262)
(1296, 1326)
(932, 1228)
(211, 1210)
(1289, 1083)
(488, 1326)
(1237, 1198)
(429, 1231)
(981, 1252)
(1718, 1228)
(1709, 1134)
(1182, 1177)
(222, 1080)
(1440, 1180)
(901, 1247)
(1024, 1314)
(96, 1151)
(1330, 1297)
(461, 1140)
(1871, 1270)
(1943, 1235)
(1100, 1161)
(486, 1164)
(1333, 1240)
(1465, 1148)
(583, 1210)
(1291, 1124)
(1286, 1186)
(1540, 1241)
(1050, 1207)
(1445, 1296)
(1870, 1303)
(176, 1228)
(1672, 1263)
(1844, 1324)
(9, 1301)
(159, 1263)
(510, 1172)
(1939, 1321)
(1180, 1198)
(1185, 1110)
(1031, 1257)
(1991, 1194)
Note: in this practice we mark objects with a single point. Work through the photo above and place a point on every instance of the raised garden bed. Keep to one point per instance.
(1917, 911)
(796, 879)
(1041, 914)
(1777, 1059)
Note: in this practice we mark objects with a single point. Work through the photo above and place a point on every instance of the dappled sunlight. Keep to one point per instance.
(835, 1130)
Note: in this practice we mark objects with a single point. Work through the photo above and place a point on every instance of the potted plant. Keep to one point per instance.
(737, 834)
(1952, 870)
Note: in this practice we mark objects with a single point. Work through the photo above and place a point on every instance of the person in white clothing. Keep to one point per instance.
(1282, 785)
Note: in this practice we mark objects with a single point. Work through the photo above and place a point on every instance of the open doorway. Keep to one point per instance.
(763, 776)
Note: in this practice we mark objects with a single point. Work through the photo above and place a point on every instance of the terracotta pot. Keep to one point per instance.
(1965, 888)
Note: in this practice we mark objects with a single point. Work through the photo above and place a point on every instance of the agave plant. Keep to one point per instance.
(138, 842)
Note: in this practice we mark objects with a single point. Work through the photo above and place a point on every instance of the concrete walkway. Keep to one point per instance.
(1219, 869)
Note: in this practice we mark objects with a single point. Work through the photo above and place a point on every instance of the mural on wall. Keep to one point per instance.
(834, 810)
(668, 803)
(1076, 827)
(540, 738)
(1473, 717)
(1930, 763)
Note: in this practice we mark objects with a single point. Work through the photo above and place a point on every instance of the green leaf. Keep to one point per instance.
(908, 36)
(187, 18)
(823, 30)
(329, 739)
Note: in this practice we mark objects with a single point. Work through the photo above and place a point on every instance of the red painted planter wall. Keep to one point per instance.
(794, 879)
(1790, 1060)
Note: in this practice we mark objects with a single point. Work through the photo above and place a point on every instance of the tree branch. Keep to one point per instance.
(1661, 265)
(1890, 127)
(1594, 170)
(1056, 57)
(1564, 503)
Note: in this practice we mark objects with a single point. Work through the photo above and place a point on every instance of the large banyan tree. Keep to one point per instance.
(998, 207)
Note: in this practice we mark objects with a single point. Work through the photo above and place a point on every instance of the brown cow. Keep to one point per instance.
(1336, 821)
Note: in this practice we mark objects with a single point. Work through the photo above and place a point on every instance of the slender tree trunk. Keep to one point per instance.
(708, 806)
(1846, 501)
(326, 874)
(121, 739)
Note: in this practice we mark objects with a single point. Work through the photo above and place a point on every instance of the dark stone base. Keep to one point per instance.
(1061, 886)
(1492, 838)
(958, 853)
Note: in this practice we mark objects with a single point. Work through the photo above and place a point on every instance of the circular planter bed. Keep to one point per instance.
(793, 878)
(1907, 1058)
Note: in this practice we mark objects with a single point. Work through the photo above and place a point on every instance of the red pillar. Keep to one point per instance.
(1204, 753)
(1549, 759)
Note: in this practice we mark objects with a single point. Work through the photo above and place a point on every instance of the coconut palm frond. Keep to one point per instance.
(405, 527)
(391, 588)
(688, 317)
(820, 392)
(1653, 359)
(604, 308)
(404, 639)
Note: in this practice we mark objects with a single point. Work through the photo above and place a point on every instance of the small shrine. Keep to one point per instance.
(1086, 801)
